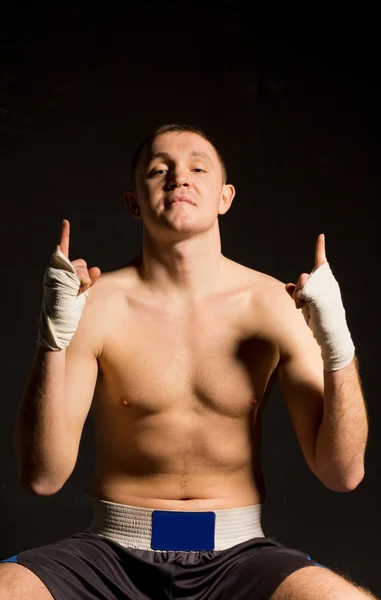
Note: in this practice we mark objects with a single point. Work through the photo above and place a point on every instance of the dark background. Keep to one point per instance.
(292, 99)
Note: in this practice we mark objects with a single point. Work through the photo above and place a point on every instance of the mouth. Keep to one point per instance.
(176, 199)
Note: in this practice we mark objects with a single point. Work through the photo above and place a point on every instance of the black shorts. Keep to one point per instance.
(89, 566)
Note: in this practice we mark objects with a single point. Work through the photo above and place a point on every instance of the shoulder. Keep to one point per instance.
(263, 288)
(112, 283)
(272, 309)
(285, 322)
(105, 304)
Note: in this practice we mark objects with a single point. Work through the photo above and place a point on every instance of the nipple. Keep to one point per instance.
(253, 400)
(124, 400)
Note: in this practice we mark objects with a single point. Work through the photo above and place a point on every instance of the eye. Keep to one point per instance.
(162, 171)
(156, 172)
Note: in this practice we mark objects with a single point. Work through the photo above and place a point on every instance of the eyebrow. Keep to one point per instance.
(203, 155)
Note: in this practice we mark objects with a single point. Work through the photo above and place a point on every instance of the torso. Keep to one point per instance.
(180, 392)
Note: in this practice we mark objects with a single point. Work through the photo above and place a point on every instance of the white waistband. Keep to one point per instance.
(131, 526)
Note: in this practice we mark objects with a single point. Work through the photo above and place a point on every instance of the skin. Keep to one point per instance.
(187, 350)
(176, 354)
(177, 238)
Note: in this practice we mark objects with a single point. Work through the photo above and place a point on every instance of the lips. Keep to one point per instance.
(179, 199)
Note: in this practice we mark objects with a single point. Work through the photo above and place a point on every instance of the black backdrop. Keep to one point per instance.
(292, 98)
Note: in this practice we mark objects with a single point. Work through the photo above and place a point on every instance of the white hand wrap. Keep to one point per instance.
(325, 316)
(61, 307)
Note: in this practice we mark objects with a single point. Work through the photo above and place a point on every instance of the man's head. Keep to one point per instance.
(178, 161)
(173, 128)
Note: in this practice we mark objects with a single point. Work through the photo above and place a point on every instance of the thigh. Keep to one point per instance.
(262, 570)
(314, 582)
(18, 582)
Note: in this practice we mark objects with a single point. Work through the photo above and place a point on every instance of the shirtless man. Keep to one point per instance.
(175, 354)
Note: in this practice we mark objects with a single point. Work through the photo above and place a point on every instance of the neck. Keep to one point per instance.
(189, 268)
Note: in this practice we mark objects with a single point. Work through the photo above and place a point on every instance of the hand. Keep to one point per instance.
(319, 297)
(320, 259)
(65, 292)
(87, 278)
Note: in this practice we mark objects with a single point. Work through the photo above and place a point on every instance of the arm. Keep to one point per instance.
(341, 434)
(40, 422)
(326, 409)
(61, 384)
(52, 413)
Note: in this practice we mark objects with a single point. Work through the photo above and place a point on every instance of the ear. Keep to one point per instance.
(227, 195)
(131, 200)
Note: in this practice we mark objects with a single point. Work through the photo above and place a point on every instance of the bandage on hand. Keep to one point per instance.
(319, 297)
(66, 288)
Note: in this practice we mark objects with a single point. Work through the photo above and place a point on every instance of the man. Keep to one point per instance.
(176, 354)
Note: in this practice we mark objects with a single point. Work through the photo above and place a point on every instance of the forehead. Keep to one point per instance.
(181, 143)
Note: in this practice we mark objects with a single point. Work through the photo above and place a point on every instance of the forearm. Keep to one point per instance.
(342, 437)
(41, 440)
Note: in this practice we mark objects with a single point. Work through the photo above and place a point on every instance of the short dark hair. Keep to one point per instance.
(173, 127)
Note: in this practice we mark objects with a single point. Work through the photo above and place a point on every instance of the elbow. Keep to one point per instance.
(355, 482)
(39, 488)
(39, 485)
(349, 485)
(44, 479)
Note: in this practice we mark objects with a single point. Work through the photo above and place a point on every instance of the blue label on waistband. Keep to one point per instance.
(183, 531)
(11, 559)
(317, 564)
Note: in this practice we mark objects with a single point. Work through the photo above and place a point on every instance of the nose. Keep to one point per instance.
(176, 179)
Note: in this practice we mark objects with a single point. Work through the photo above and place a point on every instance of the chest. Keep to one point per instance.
(213, 358)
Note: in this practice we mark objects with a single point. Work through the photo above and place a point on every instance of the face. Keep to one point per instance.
(179, 185)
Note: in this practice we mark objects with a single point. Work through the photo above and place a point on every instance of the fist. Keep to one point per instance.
(87, 277)
(295, 290)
